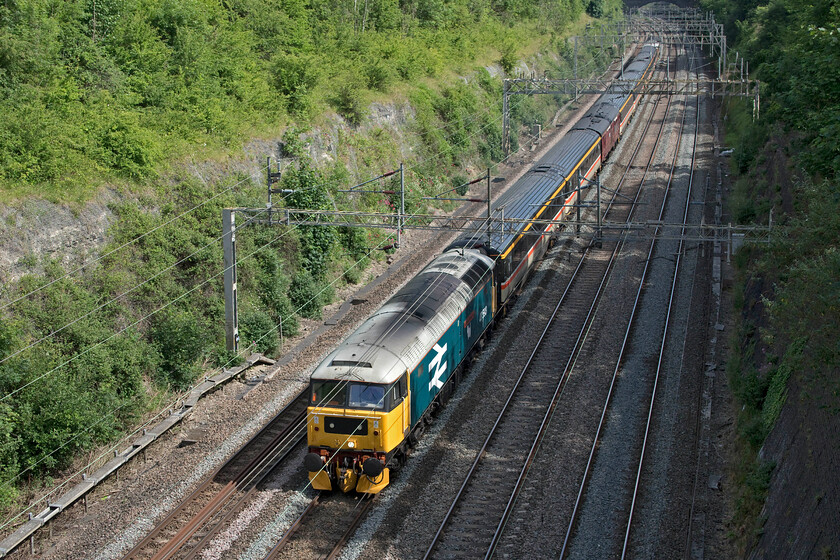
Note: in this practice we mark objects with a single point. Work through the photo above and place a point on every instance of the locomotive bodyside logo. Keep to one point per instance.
(439, 366)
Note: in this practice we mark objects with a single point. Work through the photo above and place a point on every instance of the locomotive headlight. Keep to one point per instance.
(351, 444)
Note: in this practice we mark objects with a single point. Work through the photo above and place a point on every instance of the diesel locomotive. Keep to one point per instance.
(373, 396)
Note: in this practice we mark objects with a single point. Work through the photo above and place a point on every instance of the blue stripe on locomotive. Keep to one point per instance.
(449, 351)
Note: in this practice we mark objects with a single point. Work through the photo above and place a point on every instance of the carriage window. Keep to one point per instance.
(363, 395)
(328, 393)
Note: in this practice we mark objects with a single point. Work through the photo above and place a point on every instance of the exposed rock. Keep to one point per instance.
(38, 228)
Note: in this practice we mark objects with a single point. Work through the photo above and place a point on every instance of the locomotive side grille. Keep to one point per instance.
(346, 426)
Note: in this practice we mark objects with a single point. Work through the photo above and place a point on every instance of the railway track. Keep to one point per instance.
(660, 364)
(630, 353)
(324, 527)
(196, 528)
(477, 517)
(200, 516)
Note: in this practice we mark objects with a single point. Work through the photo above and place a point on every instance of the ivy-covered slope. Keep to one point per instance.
(104, 91)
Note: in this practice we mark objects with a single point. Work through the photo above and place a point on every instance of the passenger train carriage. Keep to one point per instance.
(550, 188)
(373, 395)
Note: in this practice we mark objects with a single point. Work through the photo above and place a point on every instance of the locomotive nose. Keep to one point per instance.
(313, 462)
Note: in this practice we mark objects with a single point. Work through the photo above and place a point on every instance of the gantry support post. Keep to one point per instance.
(229, 250)
(488, 206)
(505, 118)
(402, 206)
(598, 199)
(577, 201)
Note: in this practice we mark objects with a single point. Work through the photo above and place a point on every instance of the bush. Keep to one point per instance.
(179, 340)
(458, 182)
(308, 296)
(9, 453)
(508, 58)
(348, 101)
(595, 8)
(295, 77)
(130, 148)
(379, 75)
(257, 327)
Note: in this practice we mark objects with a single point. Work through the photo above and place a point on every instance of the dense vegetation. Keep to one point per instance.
(788, 164)
(126, 93)
(97, 91)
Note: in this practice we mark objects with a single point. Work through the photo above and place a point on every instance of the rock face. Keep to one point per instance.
(802, 510)
(33, 229)
(38, 228)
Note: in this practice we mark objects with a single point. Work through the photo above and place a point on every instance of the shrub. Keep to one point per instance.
(179, 340)
(307, 295)
(353, 273)
(508, 58)
(257, 327)
(348, 101)
(458, 182)
(294, 77)
(379, 75)
(130, 148)
(595, 8)
(9, 453)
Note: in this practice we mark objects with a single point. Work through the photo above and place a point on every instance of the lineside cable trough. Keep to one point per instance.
(149, 435)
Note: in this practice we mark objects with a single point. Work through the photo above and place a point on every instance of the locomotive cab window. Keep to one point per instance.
(366, 395)
(328, 393)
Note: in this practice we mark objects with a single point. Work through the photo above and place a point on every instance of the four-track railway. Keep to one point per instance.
(372, 398)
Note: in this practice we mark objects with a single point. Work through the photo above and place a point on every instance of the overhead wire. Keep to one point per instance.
(88, 263)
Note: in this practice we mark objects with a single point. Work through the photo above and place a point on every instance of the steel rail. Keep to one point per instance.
(232, 509)
(256, 471)
(623, 346)
(660, 360)
(197, 494)
(698, 437)
(357, 519)
(586, 326)
(294, 527)
(359, 513)
(513, 391)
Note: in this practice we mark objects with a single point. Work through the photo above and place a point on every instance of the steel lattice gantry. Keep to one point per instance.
(659, 23)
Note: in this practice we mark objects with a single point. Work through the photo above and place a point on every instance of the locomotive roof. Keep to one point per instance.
(397, 337)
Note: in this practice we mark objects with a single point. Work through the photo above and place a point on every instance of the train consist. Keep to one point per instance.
(373, 396)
